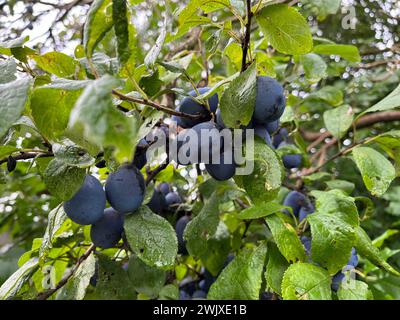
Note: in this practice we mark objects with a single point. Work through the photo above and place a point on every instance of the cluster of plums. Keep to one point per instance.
(124, 190)
(269, 107)
(301, 207)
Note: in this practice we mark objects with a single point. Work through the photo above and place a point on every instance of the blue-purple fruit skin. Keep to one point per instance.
(295, 200)
(199, 294)
(291, 161)
(164, 187)
(125, 189)
(157, 202)
(270, 100)
(172, 199)
(195, 141)
(88, 204)
(272, 126)
(306, 241)
(180, 229)
(279, 137)
(222, 171)
(305, 211)
(107, 232)
(263, 133)
(218, 119)
(190, 106)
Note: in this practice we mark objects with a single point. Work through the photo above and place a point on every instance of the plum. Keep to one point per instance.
(280, 136)
(263, 133)
(272, 126)
(290, 161)
(270, 100)
(305, 211)
(199, 294)
(125, 189)
(164, 187)
(157, 202)
(218, 119)
(197, 140)
(88, 203)
(222, 170)
(295, 200)
(107, 232)
(190, 106)
(173, 199)
(306, 241)
(180, 229)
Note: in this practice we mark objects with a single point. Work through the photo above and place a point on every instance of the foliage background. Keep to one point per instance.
(321, 88)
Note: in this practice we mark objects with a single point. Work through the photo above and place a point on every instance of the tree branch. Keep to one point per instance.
(156, 106)
(27, 155)
(246, 40)
(152, 174)
(365, 121)
(46, 294)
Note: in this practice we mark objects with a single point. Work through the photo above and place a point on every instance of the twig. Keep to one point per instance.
(152, 174)
(27, 155)
(246, 40)
(46, 294)
(156, 106)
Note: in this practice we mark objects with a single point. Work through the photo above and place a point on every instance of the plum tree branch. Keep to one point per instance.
(46, 294)
(152, 174)
(246, 39)
(156, 106)
(27, 155)
(365, 121)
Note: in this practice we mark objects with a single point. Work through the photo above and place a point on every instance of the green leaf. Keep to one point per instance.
(339, 120)
(72, 155)
(314, 67)
(8, 69)
(152, 238)
(51, 106)
(63, 180)
(14, 97)
(75, 288)
(145, 279)
(99, 21)
(366, 249)
(345, 51)
(121, 25)
(13, 284)
(169, 292)
(377, 171)
(392, 101)
(113, 282)
(263, 184)
(7, 150)
(276, 267)
(332, 240)
(57, 63)
(202, 227)
(55, 219)
(305, 281)
(16, 48)
(286, 238)
(345, 186)
(155, 51)
(355, 290)
(338, 204)
(242, 278)
(101, 123)
(218, 248)
(286, 29)
(324, 7)
(238, 100)
(260, 211)
(328, 94)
